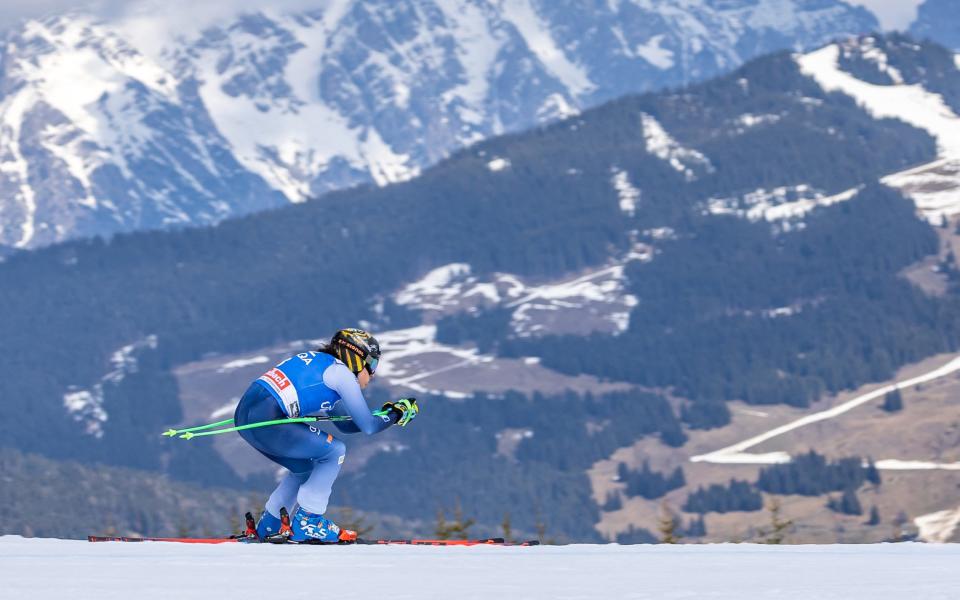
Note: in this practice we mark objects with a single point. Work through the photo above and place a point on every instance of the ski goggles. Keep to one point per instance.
(370, 364)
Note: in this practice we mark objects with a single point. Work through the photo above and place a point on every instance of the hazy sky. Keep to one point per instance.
(893, 14)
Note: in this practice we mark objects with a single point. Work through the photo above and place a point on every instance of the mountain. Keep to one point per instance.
(938, 20)
(767, 239)
(134, 123)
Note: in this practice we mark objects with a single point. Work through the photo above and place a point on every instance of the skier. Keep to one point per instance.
(327, 382)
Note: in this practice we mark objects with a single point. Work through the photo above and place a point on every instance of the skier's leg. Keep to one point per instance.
(285, 495)
(315, 492)
(308, 523)
(296, 446)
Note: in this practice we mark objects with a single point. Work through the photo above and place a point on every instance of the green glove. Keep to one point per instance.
(403, 410)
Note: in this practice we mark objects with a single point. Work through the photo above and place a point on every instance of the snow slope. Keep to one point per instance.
(737, 453)
(48, 568)
(935, 186)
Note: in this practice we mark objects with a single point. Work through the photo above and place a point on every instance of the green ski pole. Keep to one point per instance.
(173, 432)
(187, 434)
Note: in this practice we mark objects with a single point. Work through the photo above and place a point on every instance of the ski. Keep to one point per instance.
(182, 540)
(486, 542)
(246, 540)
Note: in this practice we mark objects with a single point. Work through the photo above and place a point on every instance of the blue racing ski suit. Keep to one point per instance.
(306, 384)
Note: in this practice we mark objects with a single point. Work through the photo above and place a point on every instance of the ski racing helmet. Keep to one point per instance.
(357, 349)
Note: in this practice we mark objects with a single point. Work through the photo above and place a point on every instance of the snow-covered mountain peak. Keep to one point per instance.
(149, 120)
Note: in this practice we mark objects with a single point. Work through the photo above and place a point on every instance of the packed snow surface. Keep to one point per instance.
(47, 569)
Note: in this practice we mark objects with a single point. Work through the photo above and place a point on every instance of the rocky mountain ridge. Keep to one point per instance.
(112, 126)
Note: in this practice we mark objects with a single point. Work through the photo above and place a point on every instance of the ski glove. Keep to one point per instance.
(403, 410)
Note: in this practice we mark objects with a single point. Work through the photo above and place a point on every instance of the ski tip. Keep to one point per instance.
(186, 436)
(169, 432)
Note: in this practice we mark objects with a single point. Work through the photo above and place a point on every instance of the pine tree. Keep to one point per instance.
(613, 502)
(893, 401)
(847, 504)
(507, 527)
(347, 518)
(668, 526)
(237, 522)
(872, 474)
(778, 527)
(183, 527)
(441, 530)
(874, 516)
(457, 529)
(696, 527)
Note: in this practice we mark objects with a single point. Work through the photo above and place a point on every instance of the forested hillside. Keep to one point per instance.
(730, 307)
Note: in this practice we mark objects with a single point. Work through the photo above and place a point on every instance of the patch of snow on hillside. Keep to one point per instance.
(385, 165)
(655, 54)
(438, 289)
(589, 296)
(661, 233)
(938, 527)
(407, 349)
(879, 58)
(595, 301)
(498, 164)
(663, 146)
(932, 187)
(628, 194)
(893, 464)
(777, 204)
(243, 362)
(737, 453)
(124, 360)
(749, 120)
(537, 35)
(226, 410)
(86, 405)
(555, 108)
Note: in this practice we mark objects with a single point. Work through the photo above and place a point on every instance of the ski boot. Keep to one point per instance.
(267, 525)
(273, 530)
(310, 528)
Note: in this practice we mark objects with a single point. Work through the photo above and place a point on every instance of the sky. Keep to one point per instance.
(892, 14)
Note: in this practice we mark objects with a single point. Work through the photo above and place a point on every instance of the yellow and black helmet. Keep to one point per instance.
(357, 349)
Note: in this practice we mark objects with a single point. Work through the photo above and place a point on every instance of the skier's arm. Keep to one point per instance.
(346, 426)
(339, 378)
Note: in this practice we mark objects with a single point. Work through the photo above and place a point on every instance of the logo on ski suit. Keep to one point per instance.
(318, 531)
(284, 388)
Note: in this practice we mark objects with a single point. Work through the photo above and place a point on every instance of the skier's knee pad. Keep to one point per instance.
(338, 449)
